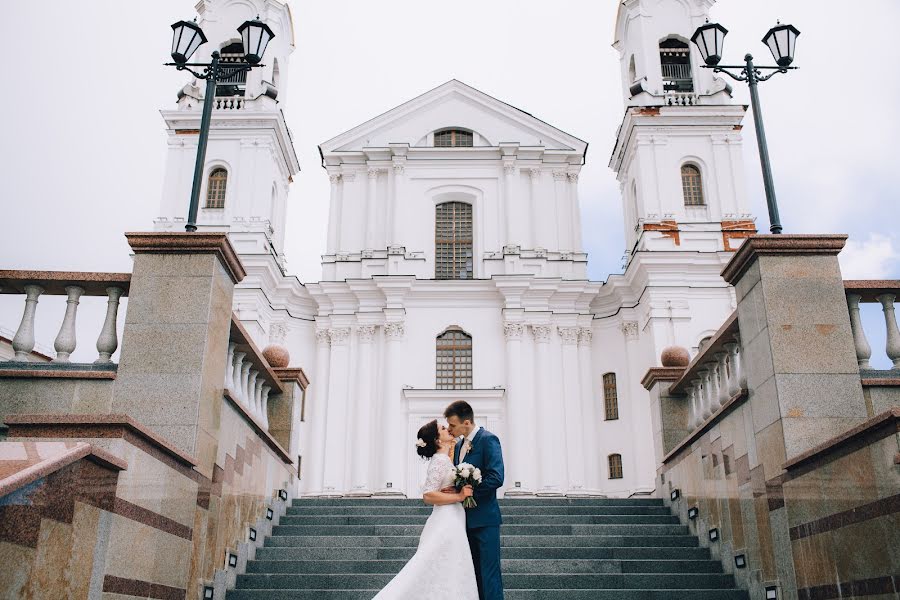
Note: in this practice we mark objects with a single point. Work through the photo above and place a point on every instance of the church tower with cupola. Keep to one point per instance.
(250, 158)
(678, 152)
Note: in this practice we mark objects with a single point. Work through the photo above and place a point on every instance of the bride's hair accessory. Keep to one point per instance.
(420, 443)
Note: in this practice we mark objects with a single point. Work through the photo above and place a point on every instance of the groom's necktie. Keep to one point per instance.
(462, 451)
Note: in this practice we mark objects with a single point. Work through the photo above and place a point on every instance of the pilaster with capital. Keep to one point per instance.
(316, 412)
(361, 441)
(398, 177)
(532, 221)
(509, 179)
(336, 439)
(576, 213)
(334, 213)
(574, 428)
(520, 473)
(392, 475)
(592, 479)
(548, 435)
(371, 202)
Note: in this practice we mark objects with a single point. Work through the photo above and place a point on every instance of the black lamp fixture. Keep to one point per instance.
(282, 494)
(252, 535)
(713, 534)
(772, 593)
(269, 514)
(740, 561)
(693, 512)
(232, 559)
(782, 42)
(208, 592)
(675, 495)
(186, 38)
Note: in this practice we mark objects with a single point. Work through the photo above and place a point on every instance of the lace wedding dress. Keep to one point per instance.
(442, 565)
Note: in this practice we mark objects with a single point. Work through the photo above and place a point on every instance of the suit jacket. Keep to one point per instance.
(486, 455)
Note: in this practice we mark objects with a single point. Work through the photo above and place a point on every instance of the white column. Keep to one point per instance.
(361, 441)
(509, 216)
(892, 343)
(65, 341)
(371, 218)
(532, 216)
(519, 478)
(576, 213)
(574, 439)
(863, 349)
(23, 341)
(399, 184)
(334, 211)
(393, 414)
(588, 409)
(317, 407)
(336, 438)
(561, 211)
(548, 409)
(108, 341)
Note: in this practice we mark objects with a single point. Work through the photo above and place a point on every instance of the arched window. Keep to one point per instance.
(692, 185)
(215, 188)
(453, 138)
(675, 59)
(454, 360)
(610, 397)
(615, 466)
(453, 241)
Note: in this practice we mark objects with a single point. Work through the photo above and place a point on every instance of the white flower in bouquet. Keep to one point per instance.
(467, 474)
(476, 475)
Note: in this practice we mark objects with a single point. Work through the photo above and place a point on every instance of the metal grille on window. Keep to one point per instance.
(615, 466)
(454, 360)
(453, 241)
(610, 397)
(675, 59)
(453, 138)
(232, 83)
(215, 189)
(692, 186)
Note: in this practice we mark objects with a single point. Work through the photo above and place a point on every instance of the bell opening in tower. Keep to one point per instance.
(232, 83)
(675, 60)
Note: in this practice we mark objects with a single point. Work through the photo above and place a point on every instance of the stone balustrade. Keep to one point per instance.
(229, 103)
(884, 292)
(73, 285)
(715, 377)
(249, 379)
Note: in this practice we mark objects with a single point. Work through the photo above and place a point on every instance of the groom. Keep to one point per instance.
(480, 448)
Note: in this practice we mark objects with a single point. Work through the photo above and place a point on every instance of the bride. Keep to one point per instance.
(443, 557)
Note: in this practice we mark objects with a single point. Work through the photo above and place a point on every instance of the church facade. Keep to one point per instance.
(455, 264)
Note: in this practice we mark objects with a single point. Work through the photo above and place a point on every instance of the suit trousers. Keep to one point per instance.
(485, 545)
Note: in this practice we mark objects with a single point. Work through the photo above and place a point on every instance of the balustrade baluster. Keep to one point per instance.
(722, 380)
(742, 366)
(892, 343)
(697, 406)
(229, 366)
(23, 341)
(250, 398)
(707, 402)
(243, 395)
(108, 340)
(65, 341)
(734, 369)
(257, 398)
(713, 386)
(238, 369)
(265, 405)
(863, 350)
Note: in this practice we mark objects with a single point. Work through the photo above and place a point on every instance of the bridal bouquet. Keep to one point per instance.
(466, 474)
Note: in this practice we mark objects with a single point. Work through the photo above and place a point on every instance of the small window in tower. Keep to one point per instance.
(215, 188)
(610, 397)
(233, 82)
(692, 186)
(453, 138)
(615, 466)
(675, 58)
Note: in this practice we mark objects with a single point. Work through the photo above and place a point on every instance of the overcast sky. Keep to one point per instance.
(84, 145)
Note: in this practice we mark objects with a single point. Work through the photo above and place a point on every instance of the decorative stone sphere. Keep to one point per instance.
(675, 356)
(277, 355)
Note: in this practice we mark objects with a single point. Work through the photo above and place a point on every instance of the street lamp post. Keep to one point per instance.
(186, 38)
(781, 40)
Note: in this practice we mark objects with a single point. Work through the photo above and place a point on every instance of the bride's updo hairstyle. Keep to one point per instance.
(428, 433)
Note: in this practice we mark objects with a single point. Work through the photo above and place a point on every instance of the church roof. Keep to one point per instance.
(454, 104)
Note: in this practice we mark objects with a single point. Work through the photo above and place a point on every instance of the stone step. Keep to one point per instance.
(506, 541)
(504, 502)
(566, 581)
(587, 594)
(323, 520)
(538, 566)
(659, 553)
(509, 530)
(376, 509)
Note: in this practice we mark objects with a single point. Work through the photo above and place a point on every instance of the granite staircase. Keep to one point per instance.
(553, 549)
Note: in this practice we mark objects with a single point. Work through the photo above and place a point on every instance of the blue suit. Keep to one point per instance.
(483, 521)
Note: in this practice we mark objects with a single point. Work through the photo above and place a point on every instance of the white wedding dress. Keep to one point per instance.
(442, 565)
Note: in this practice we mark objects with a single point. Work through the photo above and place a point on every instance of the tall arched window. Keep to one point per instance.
(615, 466)
(453, 241)
(215, 188)
(610, 397)
(692, 185)
(453, 138)
(454, 360)
(675, 59)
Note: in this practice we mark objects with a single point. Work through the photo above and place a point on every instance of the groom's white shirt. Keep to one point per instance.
(468, 438)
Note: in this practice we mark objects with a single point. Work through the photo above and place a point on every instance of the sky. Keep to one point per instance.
(84, 145)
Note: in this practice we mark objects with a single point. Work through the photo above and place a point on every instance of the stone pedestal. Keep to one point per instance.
(798, 349)
(175, 343)
(669, 413)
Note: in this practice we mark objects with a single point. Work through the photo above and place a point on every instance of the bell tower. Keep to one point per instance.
(678, 154)
(250, 157)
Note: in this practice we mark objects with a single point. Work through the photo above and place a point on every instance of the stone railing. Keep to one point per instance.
(884, 293)
(249, 379)
(716, 377)
(681, 98)
(229, 102)
(73, 285)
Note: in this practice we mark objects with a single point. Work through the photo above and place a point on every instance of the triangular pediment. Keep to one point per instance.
(454, 105)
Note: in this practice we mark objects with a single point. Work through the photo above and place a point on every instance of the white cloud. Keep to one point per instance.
(874, 258)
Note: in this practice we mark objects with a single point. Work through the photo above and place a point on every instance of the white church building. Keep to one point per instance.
(455, 264)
